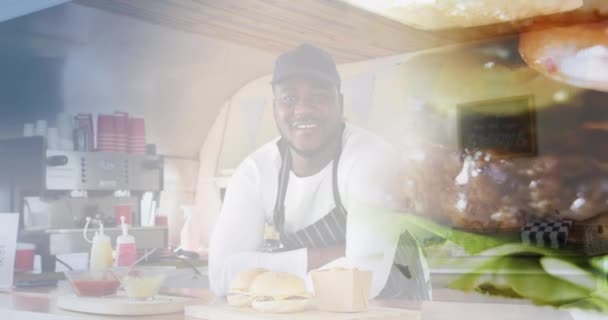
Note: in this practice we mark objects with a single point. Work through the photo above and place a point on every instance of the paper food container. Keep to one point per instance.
(342, 290)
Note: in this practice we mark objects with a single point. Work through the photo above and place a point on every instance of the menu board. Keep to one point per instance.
(506, 126)
(9, 223)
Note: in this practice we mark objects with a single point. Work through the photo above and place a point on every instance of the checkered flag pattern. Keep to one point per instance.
(546, 233)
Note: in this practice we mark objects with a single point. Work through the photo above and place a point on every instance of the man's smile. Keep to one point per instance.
(305, 125)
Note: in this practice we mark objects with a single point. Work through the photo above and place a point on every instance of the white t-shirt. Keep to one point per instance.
(365, 174)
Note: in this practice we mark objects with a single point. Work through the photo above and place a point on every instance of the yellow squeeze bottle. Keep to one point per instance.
(101, 252)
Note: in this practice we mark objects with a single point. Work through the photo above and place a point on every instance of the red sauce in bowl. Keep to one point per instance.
(95, 288)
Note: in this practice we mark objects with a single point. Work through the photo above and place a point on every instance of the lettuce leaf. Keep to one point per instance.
(523, 276)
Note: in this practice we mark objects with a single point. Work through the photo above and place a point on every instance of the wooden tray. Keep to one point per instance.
(121, 305)
(223, 311)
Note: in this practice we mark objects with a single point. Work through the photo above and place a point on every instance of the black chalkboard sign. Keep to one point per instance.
(506, 126)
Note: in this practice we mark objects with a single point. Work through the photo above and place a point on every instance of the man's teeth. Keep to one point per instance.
(304, 125)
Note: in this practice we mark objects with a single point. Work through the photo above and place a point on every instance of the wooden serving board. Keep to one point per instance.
(121, 305)
(224, 311)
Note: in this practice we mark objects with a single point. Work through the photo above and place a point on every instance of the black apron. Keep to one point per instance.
(406, 279)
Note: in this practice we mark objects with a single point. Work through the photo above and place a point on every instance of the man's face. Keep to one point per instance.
(308, 113)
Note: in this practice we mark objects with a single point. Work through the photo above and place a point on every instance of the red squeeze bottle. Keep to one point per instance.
(126, 251)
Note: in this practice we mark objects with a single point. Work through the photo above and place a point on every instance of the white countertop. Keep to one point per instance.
(40, 305)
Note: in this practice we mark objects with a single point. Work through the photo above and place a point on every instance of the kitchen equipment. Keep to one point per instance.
(56, 190)
(23, 170)
(224, 311)
(100, 171)
(84, 133)
(65, 125)
(52, 139)
(120, 305)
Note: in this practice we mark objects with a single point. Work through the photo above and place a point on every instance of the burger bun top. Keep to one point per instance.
(243, 280)
(278, 285)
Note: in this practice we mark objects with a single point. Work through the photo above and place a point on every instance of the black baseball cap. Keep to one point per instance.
(306, 60)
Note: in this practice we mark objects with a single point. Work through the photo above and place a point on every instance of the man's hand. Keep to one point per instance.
(317, 257)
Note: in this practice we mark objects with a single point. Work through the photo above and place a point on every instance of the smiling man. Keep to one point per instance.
(286, 207)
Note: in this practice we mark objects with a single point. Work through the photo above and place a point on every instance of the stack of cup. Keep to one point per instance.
(106, 133)
(121, 132)
(137, 135)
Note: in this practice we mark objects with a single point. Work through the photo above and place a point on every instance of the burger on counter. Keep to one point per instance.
(268, 291)
(336, 290)
(501, 144)
(279, 292)
(239, 294)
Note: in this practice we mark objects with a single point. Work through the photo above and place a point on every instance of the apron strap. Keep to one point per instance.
(279, 206)
(334, 181)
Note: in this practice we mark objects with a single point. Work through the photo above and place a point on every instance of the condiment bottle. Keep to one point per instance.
(191, 230)
(101, 251)
(126, 251)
